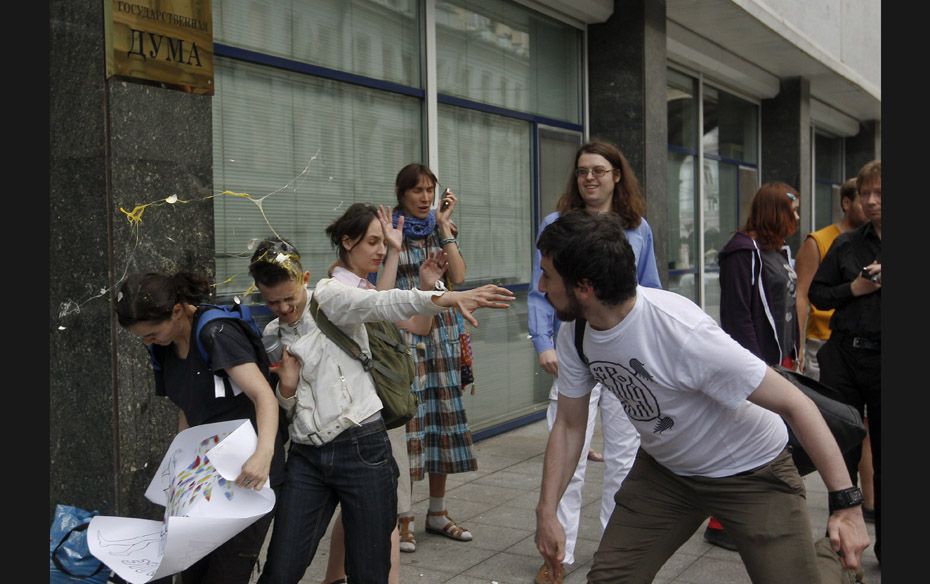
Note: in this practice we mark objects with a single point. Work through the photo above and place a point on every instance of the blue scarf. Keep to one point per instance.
(414, 227)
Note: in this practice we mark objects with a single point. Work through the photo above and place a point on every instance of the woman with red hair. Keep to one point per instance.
(757, 290)
(757, 281)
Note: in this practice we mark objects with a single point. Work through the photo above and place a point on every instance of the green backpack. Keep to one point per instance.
(390, 364)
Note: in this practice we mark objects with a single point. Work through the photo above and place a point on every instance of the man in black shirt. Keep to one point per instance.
(849, 281)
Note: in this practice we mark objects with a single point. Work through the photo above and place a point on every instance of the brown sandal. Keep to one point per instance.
(407, 542)
(450, 529)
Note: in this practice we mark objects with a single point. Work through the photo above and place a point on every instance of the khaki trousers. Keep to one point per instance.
(764, 511)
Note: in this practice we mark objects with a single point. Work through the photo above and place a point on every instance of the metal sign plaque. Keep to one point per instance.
(165, 41)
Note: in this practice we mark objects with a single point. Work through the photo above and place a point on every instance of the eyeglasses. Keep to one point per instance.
(792, 197)
(598, 171)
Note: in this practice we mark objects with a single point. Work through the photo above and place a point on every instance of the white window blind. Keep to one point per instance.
(268, 123)
(504, 54)
(375, 38)
(486, 160)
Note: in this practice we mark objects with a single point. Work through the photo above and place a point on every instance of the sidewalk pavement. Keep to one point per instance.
(497, 502)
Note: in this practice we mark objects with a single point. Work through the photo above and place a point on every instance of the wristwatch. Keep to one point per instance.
(844, 498)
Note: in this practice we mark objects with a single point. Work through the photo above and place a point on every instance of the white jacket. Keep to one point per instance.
(334, 392)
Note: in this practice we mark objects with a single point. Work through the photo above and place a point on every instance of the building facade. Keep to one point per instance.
(318, 103)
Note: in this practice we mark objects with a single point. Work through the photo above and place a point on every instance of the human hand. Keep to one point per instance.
(549, 362)
(432, 269)
(848, 535)
(254, 473)
(487, 296)
(867, 285)
(446, 206)
(550, 542)
(288, 372)
(393, 236)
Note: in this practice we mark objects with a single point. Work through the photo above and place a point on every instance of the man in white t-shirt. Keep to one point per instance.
(709, 414)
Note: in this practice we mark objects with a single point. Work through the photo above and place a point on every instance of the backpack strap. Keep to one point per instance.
(580, 323)
(336, 335)
(156, 368)
(211, 313)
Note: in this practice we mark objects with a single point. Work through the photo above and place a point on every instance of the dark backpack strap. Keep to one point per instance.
(210, 313)
(156, 368)
(336, 335)
(579, 338)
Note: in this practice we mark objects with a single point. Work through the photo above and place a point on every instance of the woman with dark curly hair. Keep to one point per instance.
(163, 311)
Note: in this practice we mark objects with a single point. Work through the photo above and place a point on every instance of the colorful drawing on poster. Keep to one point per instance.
(197, 480)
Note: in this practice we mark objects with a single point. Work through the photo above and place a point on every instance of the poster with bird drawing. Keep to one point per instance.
(204, 507)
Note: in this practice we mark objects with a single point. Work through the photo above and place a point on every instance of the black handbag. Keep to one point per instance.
(843, 419)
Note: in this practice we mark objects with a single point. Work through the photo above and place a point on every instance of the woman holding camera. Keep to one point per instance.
(438, 439)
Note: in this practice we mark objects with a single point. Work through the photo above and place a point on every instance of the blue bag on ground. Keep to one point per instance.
(70, 560)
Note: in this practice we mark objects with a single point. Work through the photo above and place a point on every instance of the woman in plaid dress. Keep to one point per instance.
(438, 439)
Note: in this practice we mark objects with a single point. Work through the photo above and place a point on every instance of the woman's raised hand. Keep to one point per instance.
(432, 269)
(393, 236)
(444, 212)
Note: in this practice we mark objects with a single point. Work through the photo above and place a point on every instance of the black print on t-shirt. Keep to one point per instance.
(628, 385)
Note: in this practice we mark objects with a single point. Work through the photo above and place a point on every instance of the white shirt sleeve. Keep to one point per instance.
(575, 379)
(348, 305)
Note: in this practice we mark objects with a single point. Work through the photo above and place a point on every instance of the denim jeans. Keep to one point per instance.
(357, 471)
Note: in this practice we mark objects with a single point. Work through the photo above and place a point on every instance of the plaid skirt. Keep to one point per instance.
(438, 438)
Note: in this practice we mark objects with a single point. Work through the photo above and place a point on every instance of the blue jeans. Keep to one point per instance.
(355, 470)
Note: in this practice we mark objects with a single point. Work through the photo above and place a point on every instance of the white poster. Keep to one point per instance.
(204, 507)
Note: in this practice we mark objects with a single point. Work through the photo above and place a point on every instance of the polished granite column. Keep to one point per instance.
(113, 145)
(864, 147)
(628, 101)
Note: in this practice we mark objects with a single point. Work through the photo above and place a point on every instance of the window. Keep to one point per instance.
(534, 62)
(355, 36)
(268, 123)
(342, 109)
(828, 178)
(682, 185)
(486, 160)
(728, 159)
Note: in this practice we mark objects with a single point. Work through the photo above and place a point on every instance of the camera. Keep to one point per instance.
(445, 201)
(877, 277)
(274, 349)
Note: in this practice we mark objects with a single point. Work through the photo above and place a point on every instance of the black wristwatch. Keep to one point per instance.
(845, 498)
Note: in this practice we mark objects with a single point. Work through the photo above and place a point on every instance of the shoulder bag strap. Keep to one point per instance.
(580, 323)
(336, 335)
